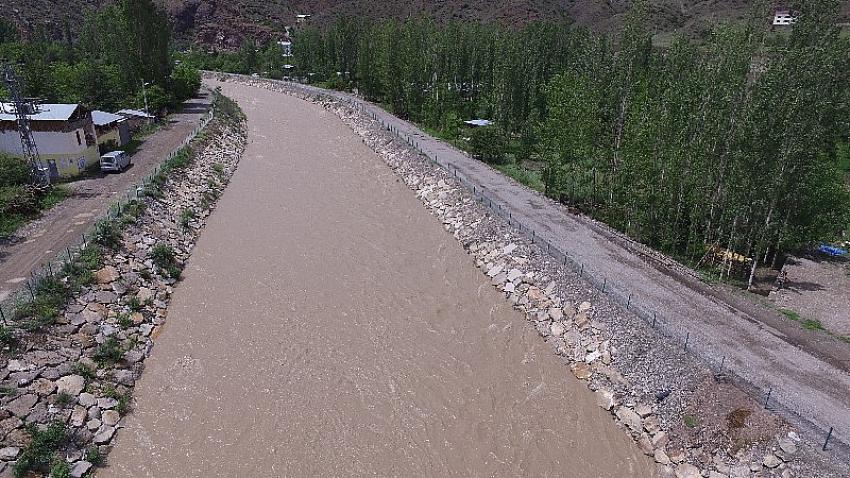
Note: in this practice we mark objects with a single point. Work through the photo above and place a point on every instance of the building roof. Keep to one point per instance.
(44, 112)
(102, 118)
(141, 114)
(479, 122)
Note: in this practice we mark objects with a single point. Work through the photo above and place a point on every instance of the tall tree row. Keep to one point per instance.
(728, 144)
(120, 47)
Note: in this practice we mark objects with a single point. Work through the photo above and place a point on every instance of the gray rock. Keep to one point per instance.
(106, 297)
(110, 418)
(78, 416)
(24, 378)
(605, 399)
(643, 410)
(108, 330)
(771, 460)
(71, 384)
(19, 366)
(9, 453)
(787, 446)
(557, 330)
(125, 377)
(144, 295)
(80, 468)
(629, 418)
(9, 424)
(44, 386)
(87, 400)
(103, 435)
(106, 403)
(22, 406)
(38, 414)
(686, 470)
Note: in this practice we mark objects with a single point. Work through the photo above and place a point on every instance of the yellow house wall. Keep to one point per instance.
(112, 135)
(73, 164)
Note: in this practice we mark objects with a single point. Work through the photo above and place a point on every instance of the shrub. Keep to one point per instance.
(41, 451)
(186, 217)
(162, 255)
(14, 171)
(110, 351)
(107, 234)
(185, 81)
(50, 295)
(123, 399)
(60, 469)
(93, 456)
(7, 338)
(91, 257)
(134, 304)
(63, 399)
(489, 144)
(124, 321)
(218, 169)
(84, 371)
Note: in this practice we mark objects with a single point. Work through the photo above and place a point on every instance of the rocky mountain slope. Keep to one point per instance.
(227, 22)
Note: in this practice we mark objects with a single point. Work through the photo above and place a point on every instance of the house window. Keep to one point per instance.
(79, 141)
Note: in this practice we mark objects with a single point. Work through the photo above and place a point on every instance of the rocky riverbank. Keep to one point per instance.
(689, 418)
(71, 359)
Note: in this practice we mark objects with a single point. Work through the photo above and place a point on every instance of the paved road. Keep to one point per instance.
(329, 326)
(808, 373)
(40, 241)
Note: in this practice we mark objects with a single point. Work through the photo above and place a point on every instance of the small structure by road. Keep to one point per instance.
(64, 133)
(136, 118)
(112, 130)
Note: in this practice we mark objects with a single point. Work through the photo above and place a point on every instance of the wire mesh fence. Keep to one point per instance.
(27, 292)
(642, 307)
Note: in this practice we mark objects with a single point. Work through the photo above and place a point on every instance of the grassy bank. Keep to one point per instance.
(20, 202)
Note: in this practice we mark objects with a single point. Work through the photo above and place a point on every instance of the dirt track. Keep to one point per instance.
(42, 240)
(328, 326)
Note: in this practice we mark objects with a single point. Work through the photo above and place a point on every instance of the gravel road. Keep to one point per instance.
(329, 326)
(808, 374)
(62, 226)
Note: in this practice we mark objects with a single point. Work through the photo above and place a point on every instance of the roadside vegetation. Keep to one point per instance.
(104, 65)
(726, 154)
(20, 200)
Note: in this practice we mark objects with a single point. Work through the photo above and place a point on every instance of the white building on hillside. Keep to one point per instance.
(784, 18)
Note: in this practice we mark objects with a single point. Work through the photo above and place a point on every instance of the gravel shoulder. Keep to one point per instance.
(329, 326)
(62, 226)
(818, 289)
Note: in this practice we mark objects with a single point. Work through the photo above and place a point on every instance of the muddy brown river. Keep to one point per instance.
(329, 326)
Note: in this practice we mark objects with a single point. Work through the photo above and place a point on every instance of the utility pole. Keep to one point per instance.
(24, 107)
(145, 95)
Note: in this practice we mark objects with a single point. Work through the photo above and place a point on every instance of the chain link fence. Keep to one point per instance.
(26, 293)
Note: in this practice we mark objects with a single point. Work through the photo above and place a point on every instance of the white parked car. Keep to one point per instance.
(115, 161)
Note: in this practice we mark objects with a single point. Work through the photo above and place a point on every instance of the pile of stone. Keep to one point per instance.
(81, 370)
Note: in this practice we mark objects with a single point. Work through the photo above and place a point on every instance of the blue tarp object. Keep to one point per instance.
(832, 250)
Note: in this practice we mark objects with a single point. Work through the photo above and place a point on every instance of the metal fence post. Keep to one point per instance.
(828, 436)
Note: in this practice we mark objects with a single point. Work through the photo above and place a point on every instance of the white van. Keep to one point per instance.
(115, 161)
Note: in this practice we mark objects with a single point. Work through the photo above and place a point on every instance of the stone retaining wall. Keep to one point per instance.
(77, 374)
